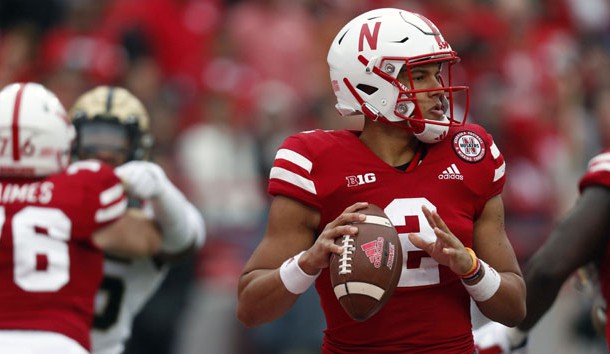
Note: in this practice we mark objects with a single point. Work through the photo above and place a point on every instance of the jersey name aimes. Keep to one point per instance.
(36, 192)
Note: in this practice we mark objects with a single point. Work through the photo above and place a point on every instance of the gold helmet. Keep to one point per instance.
(112, 106)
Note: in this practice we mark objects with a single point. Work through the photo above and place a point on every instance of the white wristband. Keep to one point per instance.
(294, 278)
(487, 286)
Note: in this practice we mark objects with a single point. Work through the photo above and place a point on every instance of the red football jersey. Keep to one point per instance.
(49, 268)
(598, 174)
(430, 310)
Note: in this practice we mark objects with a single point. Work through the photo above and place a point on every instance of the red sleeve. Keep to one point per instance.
(498, 179)
(492, 168)
(103, 199)
(291, 174)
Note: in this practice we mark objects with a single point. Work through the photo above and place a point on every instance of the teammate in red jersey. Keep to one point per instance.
(580, 239)
(55, 220)
(438, 179)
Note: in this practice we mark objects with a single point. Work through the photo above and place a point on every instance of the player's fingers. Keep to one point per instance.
(418, 242)
(347, 218)
(356, 206)
(439, 222)
(428, 215)
(447, 238)
(337, 231)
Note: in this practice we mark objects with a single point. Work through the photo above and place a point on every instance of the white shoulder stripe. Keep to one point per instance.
(605, 157)
(499, 173)
(495, 152)
(295, 158)
(601, 166)
(111, 194)
(112, 212)
(292, 178)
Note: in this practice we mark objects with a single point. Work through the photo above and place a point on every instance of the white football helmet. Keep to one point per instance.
(366, 57)
(35, 133)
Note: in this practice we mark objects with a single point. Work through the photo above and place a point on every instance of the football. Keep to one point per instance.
(365, 275)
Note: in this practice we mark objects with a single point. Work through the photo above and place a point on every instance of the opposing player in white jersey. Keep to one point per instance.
(112, 125)
(55, 222)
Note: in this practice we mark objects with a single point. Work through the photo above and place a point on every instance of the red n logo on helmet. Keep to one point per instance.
(371, 38)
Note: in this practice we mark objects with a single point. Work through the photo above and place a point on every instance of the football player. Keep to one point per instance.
(112, 125)
(580, 239)
(55, 222)
(437, 178)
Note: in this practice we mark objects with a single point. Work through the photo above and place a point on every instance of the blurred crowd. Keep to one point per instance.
(226, 81)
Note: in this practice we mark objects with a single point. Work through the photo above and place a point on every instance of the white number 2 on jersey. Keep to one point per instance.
(30, 244)
(418, 267)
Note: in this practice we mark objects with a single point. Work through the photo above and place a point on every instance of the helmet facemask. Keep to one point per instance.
(407, 107)
(104, 139)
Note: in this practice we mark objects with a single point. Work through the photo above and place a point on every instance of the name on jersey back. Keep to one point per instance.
(35, 192)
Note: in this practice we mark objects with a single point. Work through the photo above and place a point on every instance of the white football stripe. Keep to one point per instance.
(495, 152)
(111, 194)
(359, 288)
(292, 178)
(499, 173)
(600, 166)
(378, 220)
(295, 158)
(112, 212)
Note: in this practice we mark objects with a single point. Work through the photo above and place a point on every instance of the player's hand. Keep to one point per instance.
(142, 179)
(447, 249)
(318, 256)
(496, 338)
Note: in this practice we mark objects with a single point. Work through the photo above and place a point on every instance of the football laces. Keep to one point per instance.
(345, 262)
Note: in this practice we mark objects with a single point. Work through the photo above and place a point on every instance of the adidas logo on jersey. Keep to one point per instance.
(451, 172)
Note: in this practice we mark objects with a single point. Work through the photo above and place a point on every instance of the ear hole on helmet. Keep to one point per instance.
(369, 90)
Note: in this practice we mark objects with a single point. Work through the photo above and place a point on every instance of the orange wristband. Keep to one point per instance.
(475, 264)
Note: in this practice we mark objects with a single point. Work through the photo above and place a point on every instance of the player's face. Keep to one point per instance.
(108, 143)
(426, 77)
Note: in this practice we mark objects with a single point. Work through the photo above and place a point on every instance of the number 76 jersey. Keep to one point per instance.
(429, 311)
(49, 267)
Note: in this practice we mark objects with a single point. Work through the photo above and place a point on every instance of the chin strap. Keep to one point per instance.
(433, 133)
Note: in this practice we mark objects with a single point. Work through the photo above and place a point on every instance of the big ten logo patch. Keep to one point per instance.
(359, 180)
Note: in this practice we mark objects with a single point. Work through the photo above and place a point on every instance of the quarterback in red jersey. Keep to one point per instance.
(55, 220)
(579, 240)
(438, 179)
